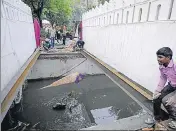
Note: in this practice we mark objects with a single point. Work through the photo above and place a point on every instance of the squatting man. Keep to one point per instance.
(165, 95)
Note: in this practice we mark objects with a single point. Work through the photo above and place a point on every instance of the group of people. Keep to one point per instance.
(56, 34)
(165, 93)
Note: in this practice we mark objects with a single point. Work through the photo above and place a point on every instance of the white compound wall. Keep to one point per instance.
(127, 33)
(17, 39)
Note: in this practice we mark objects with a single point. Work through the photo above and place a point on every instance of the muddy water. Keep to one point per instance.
(105, 102)
(95, 100)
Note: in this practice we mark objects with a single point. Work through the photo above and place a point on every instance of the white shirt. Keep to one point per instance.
(52, 32)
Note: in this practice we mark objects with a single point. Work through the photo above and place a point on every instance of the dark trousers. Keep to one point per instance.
(58, 37)
(63, 41)
(158, 112)
(64, 38)
(52, 41)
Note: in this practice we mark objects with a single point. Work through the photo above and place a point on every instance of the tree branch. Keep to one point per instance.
(41, 6)
(33, 5)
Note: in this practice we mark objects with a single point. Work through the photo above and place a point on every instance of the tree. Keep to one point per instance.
(58, 11)
(36, 7)
(78, 9)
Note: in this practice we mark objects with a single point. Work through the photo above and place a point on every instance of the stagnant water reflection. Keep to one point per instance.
(95, 100)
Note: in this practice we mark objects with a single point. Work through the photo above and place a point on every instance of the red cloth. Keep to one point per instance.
(81, 33)
(37, 32)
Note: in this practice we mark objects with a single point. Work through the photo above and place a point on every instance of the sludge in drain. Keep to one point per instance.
(59, 106)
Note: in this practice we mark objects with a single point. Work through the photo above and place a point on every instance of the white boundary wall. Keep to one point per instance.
(117, 34)
(17, 38)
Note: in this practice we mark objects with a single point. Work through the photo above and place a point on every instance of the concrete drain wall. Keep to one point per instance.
(48, 66)
(97, 100)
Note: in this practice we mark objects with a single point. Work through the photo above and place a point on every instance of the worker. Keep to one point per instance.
(52, 35)
(47, 44)
(165, 94)
(80, 44)
(58, 35)
(64, 39)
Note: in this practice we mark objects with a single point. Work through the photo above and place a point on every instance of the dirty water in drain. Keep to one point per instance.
(95, 100)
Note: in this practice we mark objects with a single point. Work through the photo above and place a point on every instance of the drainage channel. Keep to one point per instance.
(96, 100)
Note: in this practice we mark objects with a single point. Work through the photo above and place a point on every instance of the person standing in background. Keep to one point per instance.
(58, 35)
(64, 34)
(64, 30)
(64, 39)
(52, 35)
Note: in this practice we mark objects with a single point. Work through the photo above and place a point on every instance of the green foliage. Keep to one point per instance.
(61, 12)
(58, 11)
(36, 7)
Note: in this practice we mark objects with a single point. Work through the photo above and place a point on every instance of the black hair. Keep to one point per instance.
(165, 51)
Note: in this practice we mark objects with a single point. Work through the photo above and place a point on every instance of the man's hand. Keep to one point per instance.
(156, 94)
(171, 101)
